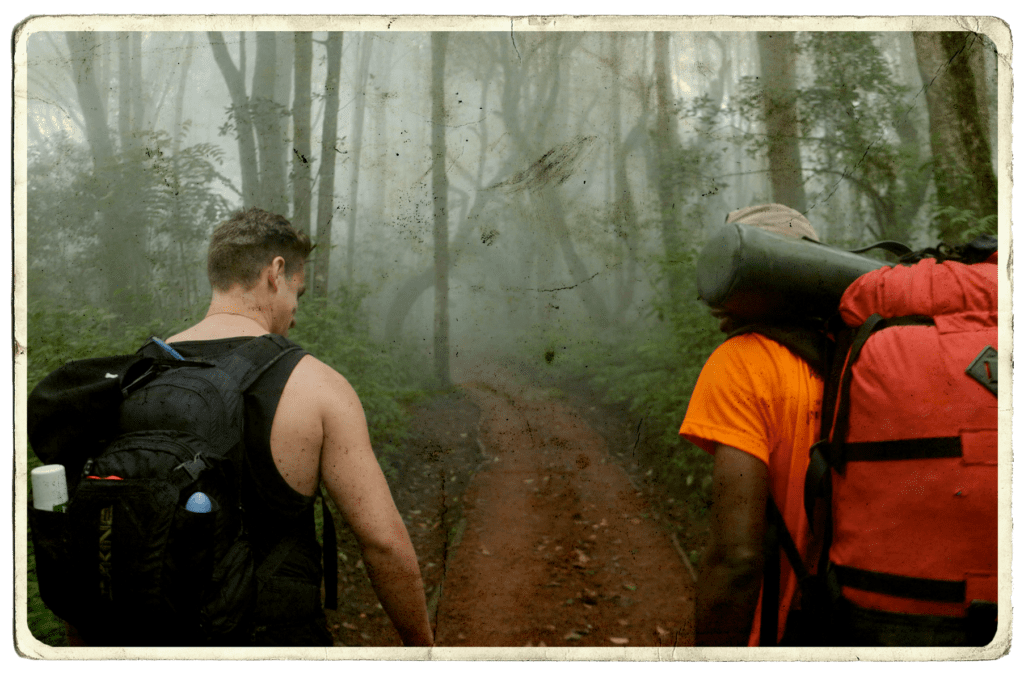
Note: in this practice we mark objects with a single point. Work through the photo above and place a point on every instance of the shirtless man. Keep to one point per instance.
(318, 433)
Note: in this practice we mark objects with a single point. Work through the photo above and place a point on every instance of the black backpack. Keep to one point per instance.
(125, 562)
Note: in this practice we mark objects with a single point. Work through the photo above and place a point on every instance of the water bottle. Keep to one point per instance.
(200, 503)
(49, 488)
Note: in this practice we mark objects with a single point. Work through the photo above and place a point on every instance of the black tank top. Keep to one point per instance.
(273, 509)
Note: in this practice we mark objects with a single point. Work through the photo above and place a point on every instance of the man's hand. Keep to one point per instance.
(731, 572)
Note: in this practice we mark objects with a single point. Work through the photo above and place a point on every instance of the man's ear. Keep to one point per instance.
(276, 271)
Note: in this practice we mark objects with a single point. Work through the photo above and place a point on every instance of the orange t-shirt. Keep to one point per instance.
(755, 395)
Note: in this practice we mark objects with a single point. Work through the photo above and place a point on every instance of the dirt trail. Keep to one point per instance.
(558, 547)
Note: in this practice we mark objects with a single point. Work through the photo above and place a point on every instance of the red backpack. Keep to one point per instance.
(908, 458)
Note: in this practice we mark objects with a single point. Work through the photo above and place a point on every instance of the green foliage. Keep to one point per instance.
(967, 222)
(857, 127)
(139, 224)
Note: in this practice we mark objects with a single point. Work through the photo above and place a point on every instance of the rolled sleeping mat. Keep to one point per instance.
(754, 273)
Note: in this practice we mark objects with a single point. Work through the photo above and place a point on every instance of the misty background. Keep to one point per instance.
(531, 198)
(528, 200)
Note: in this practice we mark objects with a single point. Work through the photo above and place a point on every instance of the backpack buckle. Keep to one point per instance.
(193, 467)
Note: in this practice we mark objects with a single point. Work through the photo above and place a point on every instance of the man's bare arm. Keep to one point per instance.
(730, 575)
(355, 482)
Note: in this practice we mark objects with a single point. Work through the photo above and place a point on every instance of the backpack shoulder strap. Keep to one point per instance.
(246, 364)
(777, 537)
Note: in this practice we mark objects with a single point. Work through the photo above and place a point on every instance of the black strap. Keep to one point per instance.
(777, 537)
(896, 248)
(903, 586)
(772, 571)
(247, 363)
(330, 557)
(904, 449)
(274, 559)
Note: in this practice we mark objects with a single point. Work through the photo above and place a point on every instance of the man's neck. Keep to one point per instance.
(229, 316)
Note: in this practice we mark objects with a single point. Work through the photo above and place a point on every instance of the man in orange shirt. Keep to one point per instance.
(756, 407)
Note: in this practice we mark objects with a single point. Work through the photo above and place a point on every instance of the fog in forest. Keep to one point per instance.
(559, 184)
(517, 212)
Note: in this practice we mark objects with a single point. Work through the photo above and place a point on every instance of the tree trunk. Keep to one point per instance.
(328, 150)
(302, 193)
(124, 89)
(267, 122)
(362, 79)
(778, 70)
(117, 265)
(439, 181)
(234, 78)
(667, 150)
(624, 215)
(962, 157)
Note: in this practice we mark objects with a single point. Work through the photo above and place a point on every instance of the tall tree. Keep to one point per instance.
(624, 214)
(667, 152)
(118, 262)
(778, 70)
(439, 182)
(240, 115)
(328, 151)
(301, 152)
(961, 154)
(362, 79)
(267, 116)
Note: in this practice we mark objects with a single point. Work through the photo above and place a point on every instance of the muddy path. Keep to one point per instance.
(555, 547)
(529, 532)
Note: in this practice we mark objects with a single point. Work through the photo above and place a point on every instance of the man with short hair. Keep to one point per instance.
(756, 407)
(303, 424)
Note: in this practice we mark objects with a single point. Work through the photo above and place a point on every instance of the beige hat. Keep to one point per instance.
(775, 218)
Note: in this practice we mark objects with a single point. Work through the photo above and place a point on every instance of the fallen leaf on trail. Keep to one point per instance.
(542, 644)
(624, 623)
(618, 641)
(572, 636)
(527, 481)
(630, 587)
(550, 627)
(581, 559)
(483, 550)
(634, 521)
(664, 633)
(349, 625)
